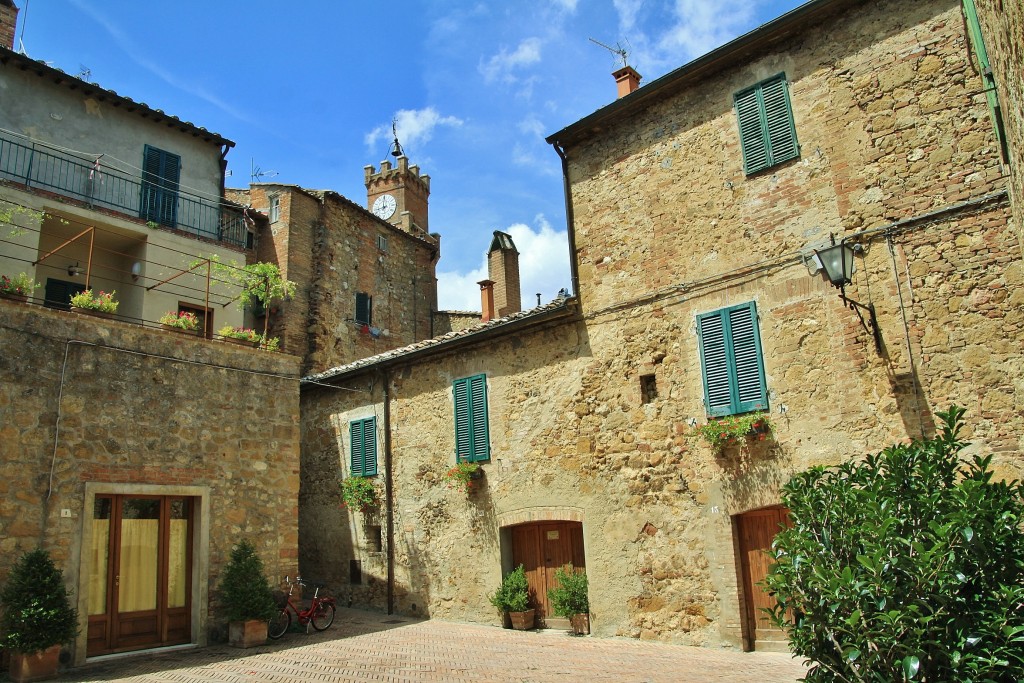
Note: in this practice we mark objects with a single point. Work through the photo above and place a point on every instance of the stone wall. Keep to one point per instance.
(454, 321)
(90, 405)
(896, 152)
(1002, 22)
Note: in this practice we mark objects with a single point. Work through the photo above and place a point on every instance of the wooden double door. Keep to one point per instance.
(755, 531)
(542, 548)
(140, 572)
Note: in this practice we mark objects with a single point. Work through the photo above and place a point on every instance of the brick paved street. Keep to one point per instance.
(364, 646)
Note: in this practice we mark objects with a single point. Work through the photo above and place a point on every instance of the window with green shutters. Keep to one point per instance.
(363, 445)
(988, 78)
(731, 362)
(161, 172)
(472, 442)
(767, 131)
(364, 308)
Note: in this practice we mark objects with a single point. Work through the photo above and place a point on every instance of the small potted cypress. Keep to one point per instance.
(513, 598)
(247, 597)
(569, 598)
(37, 617)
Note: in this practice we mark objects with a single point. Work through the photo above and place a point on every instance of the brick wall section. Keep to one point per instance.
(328, 246)
(1002, 22)
(8, 23)
(503, 268)
(129, 418)
(883, 93)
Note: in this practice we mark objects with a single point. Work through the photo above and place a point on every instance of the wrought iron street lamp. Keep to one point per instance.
(837, 260)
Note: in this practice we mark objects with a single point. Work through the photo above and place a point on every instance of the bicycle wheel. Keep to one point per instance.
(323, 616)
(279, 624)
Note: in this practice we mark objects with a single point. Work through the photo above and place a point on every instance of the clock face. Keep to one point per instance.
(384, 206)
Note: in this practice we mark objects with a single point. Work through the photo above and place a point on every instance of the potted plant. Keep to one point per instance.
(358, 493)
(182, 321)
(36, 617)
(247, 597)
(729, 430)
(463, 475)
(18, 287)
(102, 304)
(513, 598)
(569, 598)
(240, 335)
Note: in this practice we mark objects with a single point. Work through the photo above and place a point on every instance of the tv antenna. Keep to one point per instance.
(84, 73)
(622, 52)
(257, 174)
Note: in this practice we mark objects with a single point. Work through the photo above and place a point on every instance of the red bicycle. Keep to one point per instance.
(320, 612)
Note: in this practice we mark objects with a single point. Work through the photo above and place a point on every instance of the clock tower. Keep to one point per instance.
(399, 194)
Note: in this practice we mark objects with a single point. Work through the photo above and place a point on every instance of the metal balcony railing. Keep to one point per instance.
(34, 164)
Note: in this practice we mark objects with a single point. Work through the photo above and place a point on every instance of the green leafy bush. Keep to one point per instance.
(358, 493)
(569, 596)
(36, 606)
(906, 566)
(514, 593)
(244, 587)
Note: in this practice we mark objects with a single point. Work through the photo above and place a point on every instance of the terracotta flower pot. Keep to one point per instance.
(247, 633)
(37, 666)
(93, 312)
(522, 621)
(580, 624)
(23, 298)
(180, 330)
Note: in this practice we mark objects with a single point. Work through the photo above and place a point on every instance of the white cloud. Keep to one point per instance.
(532, 126)
(543, 268)
(566, 5)
(628, 11)
(501, 66)
(414, 126)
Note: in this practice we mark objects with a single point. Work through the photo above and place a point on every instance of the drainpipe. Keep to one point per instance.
(570, 219)
(389, 490)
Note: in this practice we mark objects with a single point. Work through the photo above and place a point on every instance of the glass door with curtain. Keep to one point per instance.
(139, 573)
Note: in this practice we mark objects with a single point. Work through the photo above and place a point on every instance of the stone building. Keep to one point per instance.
(365, 285)
(136, 456)
(698, 203)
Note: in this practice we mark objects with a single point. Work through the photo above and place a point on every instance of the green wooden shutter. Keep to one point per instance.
(778, 116)
(748, 369)
(472, 438)
(767, 131)
(161, 174)
(478, 402)
(752, 139)
(363, 440)
(731, 361)
(988, 78)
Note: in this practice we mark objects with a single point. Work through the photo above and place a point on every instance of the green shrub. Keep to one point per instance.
(908, 565)
(569, 597)
(514, 593)
(244, 587)
(358, 493)
(36, 606)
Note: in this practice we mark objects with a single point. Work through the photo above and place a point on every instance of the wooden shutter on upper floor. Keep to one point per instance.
(363, 446)
(472, 438)
(731, 361)
(767, 131)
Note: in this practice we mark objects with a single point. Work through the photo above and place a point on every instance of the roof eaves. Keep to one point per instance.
(73, 82)
(557, 309)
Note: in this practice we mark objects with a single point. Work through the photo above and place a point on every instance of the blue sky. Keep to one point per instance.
(309, 89)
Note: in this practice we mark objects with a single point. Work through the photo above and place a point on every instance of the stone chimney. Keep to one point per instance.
(486, 300)
(503, 269)
(8, 22)
(627, 79)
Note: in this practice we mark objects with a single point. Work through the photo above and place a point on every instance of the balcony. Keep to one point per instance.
(37, 165)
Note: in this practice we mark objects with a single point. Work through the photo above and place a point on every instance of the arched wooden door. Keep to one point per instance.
(542, 548)
(755, 531)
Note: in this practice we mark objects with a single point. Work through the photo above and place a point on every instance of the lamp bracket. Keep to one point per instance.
(872, 323)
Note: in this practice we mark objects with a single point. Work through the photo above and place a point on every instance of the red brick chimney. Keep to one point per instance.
(486, 300)
(503, 269)
(8, 22)
(627, 79)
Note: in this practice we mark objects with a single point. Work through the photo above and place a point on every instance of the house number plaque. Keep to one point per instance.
(553, 535)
